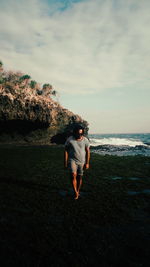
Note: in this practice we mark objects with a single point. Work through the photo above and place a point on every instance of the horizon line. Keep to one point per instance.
(123, 133)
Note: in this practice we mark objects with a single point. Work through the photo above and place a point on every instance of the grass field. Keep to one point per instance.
(42, 225)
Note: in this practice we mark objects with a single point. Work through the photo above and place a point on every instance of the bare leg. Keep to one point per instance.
(74, 184)
(79, 183)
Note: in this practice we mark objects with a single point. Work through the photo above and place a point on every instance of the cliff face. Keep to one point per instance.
(26, 116)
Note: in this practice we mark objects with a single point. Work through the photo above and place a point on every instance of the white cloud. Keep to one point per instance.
(88, 47)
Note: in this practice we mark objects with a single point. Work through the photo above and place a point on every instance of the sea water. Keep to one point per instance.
(120, 144)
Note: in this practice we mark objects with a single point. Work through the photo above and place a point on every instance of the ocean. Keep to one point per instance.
(120, 144)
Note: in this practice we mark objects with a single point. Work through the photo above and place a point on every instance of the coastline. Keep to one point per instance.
(42, 225)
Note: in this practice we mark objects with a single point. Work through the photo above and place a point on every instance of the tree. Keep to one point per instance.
(33, 84)
(47, 89)
(54, 92)
(1, 66)
(39, 92)
(47, 86)
(25, 78)
(1, 80)
(1, 69)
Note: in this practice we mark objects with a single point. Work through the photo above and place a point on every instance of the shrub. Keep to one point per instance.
(1, 63)
(47, 86)
(33, 84)
(25, 77)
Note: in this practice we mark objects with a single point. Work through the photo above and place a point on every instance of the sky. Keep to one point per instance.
(95, 53)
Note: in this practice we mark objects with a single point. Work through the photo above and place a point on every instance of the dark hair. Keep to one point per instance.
(77, 128)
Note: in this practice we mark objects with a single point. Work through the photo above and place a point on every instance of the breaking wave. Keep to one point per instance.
(116, 142)
(121, 145)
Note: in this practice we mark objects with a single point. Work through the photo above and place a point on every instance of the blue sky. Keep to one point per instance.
(95, 53)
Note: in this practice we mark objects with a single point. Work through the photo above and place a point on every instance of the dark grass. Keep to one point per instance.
(42, 225)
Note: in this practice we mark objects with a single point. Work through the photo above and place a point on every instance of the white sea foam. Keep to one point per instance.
(116, 142)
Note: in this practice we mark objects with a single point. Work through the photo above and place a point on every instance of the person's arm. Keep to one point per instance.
(65, 158)
(87, 158)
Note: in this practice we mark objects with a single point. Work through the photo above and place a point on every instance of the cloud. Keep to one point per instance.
(82, 47)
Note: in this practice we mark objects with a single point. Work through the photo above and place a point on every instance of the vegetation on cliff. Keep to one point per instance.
(28, 112)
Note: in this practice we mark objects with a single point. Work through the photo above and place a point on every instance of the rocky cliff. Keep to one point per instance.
(29, 114)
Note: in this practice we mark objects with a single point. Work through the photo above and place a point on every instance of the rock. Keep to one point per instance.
(29, 117)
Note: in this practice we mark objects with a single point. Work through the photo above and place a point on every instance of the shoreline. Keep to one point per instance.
(92, 149)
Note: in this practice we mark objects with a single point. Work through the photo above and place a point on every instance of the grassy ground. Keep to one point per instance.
(42, 225)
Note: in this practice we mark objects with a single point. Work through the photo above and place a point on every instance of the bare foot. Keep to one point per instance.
(77, 196)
